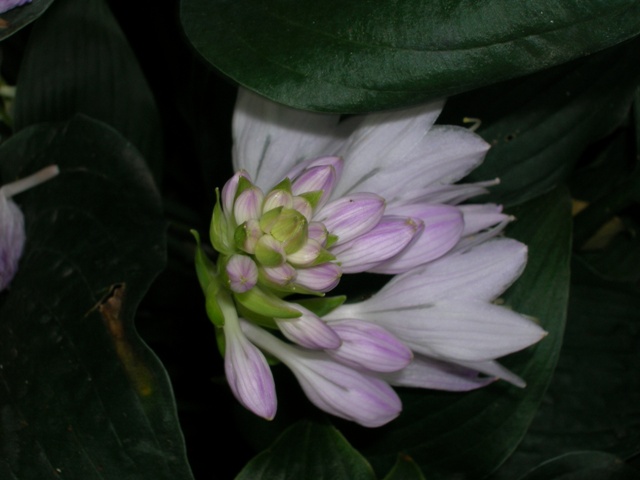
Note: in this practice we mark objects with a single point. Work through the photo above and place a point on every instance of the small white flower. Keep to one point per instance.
(12, 234)
(314, 198)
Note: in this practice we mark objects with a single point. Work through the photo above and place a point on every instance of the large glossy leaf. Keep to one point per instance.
(584, 466)
(337, 56)
(540, 125)
(309, 450)
(81, 395)
(79, 61)
(593, 402)
(18, 18)
(453, 435)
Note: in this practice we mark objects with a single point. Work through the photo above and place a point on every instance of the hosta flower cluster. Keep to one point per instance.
(315, 198)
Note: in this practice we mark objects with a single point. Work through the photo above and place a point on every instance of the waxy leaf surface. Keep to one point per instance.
(82, 397)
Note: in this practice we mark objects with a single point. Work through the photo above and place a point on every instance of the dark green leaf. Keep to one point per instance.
(309, 450)
(451, 435)
(540, 125)
(17, 18)
(611, 183)
(336, 56)
(405, 469)
(82, 397)
(593, 402)
(584, 466)
(79, 61)
(620, 260)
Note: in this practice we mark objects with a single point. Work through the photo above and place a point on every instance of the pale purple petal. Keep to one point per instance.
(12, 233)
(229, 191)
(303, 207)
(331, 386)
(345, 392)
(242, 273)
(318, 232)
(283, 275)
(424, 372)
(460, 330)
(277, 198)
(270, 139)
(390, 236)
(309, 331)
(306, 255)
(482, 273)
(336, 162)
(351, 216)
(320, 278)
(12, 239)
(369, 346)
(248, 205)
(248, 373)
(6, 5)
(320, 178)
(443, 226)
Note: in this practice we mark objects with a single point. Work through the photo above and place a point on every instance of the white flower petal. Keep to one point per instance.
(451, 194)
(444, 155)
(481, 273)
(381, 141)
(480, 217)
(270, 139)
(494, 369)
(424, 372)
(460, 330)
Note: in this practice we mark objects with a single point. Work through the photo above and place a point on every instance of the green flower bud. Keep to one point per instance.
(269, 251)
(290, 229)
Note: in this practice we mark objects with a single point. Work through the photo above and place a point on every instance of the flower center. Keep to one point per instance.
(280, 245)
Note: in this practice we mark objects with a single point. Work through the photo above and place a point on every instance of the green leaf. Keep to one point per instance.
(79, 61)
(540, 125)
(350, 57)
(584, 466)
(309, 450)
(82, 396)
(18, 18)
(405, 469)
(620, 259)
(447, 434)
(593, 402)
